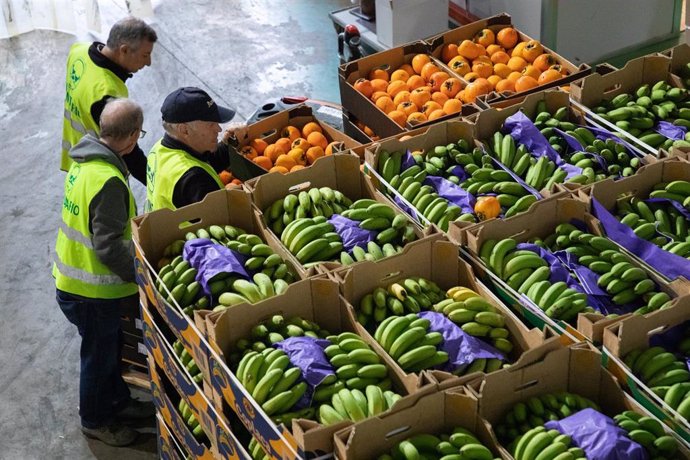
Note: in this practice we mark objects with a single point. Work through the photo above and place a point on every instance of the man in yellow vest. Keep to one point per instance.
(94, 269)
(183, 166)
(97, 72)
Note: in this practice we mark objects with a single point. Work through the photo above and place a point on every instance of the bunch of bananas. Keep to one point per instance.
(315, 202)
(527, 273)
(538, 443)
(659, 223)
(356, 366)
(315, 240)
(191, 420)
(356, 405)
(179, 276)
(664, 374)
(477, 317)
(639, 112)
(188, 362)
(513, 197)
(618, 160)
(649, 433)
(256, 451)
(408, 342)
(536, 411)
(622, 280)
(459, 445)
(409, 295)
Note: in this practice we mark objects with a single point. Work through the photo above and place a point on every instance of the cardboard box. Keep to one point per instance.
(316, 300)
(680, 56)
(436, 413)
(558, 370)
(162, 357)
(633, 333)
(640, 185)
(595, 88)
(351, 129)
(366, 111)
(168, 446)
(402, 21)
(269, 129)
(540, 221)
(340, 172)
(496, 23)
(153, 232)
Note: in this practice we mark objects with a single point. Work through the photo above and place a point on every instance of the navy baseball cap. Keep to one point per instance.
(192, 104)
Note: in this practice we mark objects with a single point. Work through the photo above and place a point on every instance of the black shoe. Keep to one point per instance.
(136, 410)
(113, 435)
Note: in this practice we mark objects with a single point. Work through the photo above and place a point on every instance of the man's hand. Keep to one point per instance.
(236, 131)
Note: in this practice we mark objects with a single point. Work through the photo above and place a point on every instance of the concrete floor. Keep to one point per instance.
(242, 52)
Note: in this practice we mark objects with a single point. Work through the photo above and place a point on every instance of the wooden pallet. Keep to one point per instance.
(136, 378)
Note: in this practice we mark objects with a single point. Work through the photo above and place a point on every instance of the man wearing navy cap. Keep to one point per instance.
(183, 166)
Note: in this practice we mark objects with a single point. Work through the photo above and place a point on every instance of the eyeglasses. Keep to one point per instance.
(142, 133)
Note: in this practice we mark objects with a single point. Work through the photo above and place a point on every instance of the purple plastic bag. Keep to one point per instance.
(459, 172)
(307, 353)
(461, 347)
(350, 232)
(670, 339)
(451, 192)
(678, 206)
(525, 132)
(670, 130)
(599, 436)
(575, 146)
(604, 135)
(211, 259)
(670, 265)
(407, 161)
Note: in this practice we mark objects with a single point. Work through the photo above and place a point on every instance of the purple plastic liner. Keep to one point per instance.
(558, 271)
(575, 145)
(679, 207)
(599, 436)
(307, 353)
(211, 259)
(461, 347)
(669, 265)
(525, 132)
(604, 135)
(670, 130)
(405, 207)
(407, 161)
(459, 172)
(670, 339)
(350, 232)
(451, 192)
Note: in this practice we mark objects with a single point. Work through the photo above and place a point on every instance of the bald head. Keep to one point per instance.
(120, 118)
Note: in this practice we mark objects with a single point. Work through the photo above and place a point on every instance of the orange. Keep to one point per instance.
(505, 85)
(500, 57)
(531, 71)
(469, 49)
(248, 151)
(439, 98)
(284, 144)
(548, 76)
(291, 132)
(482, 69)
(298, 156)
(517, 51)
(330, 147)
(419, 97)
(259, 145)
(385, 104)
(263, 161)
(430, 107)
(279, 169)
(451, 86)
(532, 50)
(485, 37)
(517, 63)
(378, 94)
(317, 139)
(544, 61)
(416, 118)
(286, 161)
(436, 114)
(378, 73)
(402, 96)
(314, 153)
(494, 79)
(436, 79)
(396, 86)
(379, 84)
(399, 117)
(419, 61)
(364, 86)
(452, 106)
(415, 81)
(525, 83)
(407, 108)
(449, 51)
(310, 128)
(502, 70)
(507, 37)
(428, 70)
(300, 143)
(272, 152)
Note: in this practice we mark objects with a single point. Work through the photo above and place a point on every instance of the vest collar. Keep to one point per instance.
(172, 143)
(101, 61)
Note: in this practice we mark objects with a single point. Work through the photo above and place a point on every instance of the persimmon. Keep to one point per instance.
(517, 51)
(402, 96)
(272, 152)
(279, 169)
(379, 94)
(505, 85)
(517, 63)
(379, 84)
(364, 86)
(263, 161)
(398, 117)
(286, 161)
(452, 106)
(330, 147)
(396, 86)
(416, 118)
(284, 144)
(449, 51)
(297, 168)
(298, 155)
(439, 98)
(225, 177)
(502, 70)
(314, 153)
(469, 49)
(451, 86)
(500, 57)
(531, 71)
(400, 75)
(436, 79)
(492, 49)
(419, 61)
(544, 61)
(485, 37)
(430, 107)
(317, 139)
(259, 145)
(310, 128)
(548, 76)
(507, 37)
(419, 97)
(407, 108)
(487, 207)
(560, 68)
(248, 151)
(428, 70)
(436, 114)
(378, 73)
(493, 79)
(525, 83)
(415, 81)
(532, 50)
(460, 66)
(300, 143)
(293, 133)
(407, 68)
(482, 69)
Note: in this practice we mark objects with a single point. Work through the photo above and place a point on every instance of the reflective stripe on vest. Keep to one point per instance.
(164, 167)
(86, 84)
(76, 268)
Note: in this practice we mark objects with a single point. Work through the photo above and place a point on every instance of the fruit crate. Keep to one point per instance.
(356, 99)
(680, 58)
(172, 379)
(434, 414)
(626, 86)
(153, 233)
(168, 446)
(410, 195)
(637, 333)
(609, 200)
(547, 219)
(314, 301)
(303, 195)
(439, 47)
(434, 262)
(559, 373)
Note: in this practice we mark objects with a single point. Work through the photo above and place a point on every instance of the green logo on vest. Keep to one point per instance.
(72, 176)
(75, 74)
(71, 206)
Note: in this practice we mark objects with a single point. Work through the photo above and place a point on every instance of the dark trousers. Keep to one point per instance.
(102, 391)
